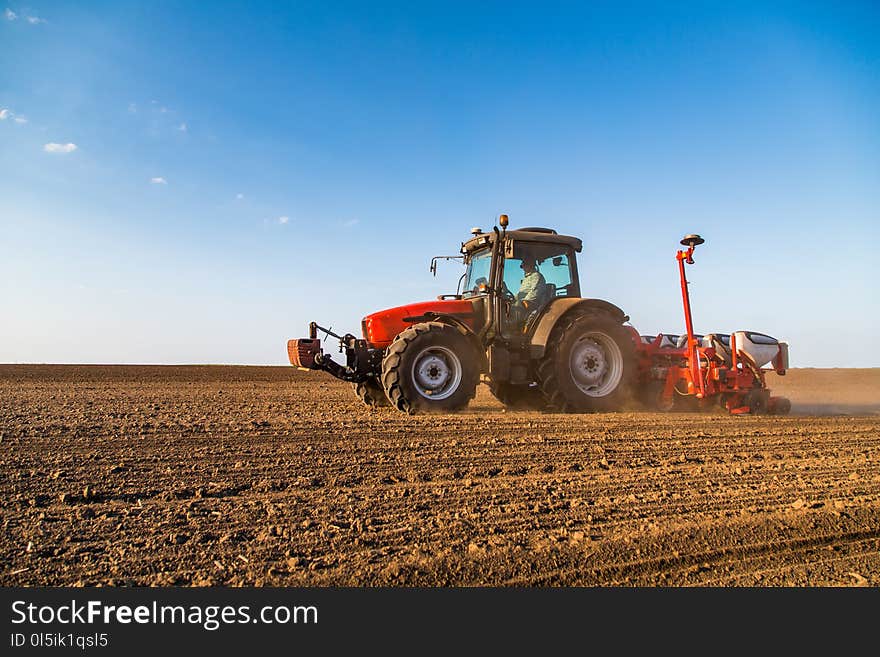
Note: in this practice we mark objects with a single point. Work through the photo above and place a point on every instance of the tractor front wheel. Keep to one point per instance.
(430, 368)
(589, 364)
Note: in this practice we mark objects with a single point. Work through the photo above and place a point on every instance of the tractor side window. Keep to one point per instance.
(513, 274)
(551, 262)
(477, 273)
(557, 272)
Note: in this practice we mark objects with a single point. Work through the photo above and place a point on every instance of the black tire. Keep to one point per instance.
(603, 354)
(757, 400)
(371, 393)
(425, 355)
(518, 396)
(779, 406)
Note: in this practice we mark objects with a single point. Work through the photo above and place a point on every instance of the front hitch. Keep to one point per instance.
(362, 361)
(306, 353)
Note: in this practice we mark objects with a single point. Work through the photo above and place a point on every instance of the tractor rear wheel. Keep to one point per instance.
(430, 368)
(589, 364)
(371, 393)
(518, 396)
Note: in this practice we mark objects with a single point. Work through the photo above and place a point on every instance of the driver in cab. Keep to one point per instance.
(532, 285)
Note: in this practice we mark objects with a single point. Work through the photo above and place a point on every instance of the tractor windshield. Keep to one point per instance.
(477, 273)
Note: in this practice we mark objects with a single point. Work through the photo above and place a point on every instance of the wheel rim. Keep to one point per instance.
(596, 364)
(436, 373)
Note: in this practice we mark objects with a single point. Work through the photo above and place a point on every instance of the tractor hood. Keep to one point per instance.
(380, 328)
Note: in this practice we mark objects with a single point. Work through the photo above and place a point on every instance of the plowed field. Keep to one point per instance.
(157, 476)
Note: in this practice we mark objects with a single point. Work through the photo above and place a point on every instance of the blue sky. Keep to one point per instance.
(194, 182)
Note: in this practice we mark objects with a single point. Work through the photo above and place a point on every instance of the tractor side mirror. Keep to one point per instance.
(433, 267)
(557, 261)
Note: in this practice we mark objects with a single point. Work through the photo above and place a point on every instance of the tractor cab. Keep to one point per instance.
(521, 272)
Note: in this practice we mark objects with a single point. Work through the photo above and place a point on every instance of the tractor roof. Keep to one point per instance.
(530, 234)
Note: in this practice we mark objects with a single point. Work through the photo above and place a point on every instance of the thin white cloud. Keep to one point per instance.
(52, 147)
(34, 20)
(158, 180)
(239, 196)
(9, 114)
(161, 118)
(9, 15)
(351, 222)
(283, 220)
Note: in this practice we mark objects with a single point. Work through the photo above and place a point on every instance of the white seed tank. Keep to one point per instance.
(761, 348)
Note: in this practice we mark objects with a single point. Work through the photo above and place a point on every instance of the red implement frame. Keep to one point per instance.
(705, 373)
(692, 349)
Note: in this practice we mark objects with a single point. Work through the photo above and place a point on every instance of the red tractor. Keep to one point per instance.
(543, 346)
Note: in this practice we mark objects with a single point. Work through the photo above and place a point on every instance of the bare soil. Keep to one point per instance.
(203, 475)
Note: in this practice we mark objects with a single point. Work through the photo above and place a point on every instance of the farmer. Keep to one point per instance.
(532, 287)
